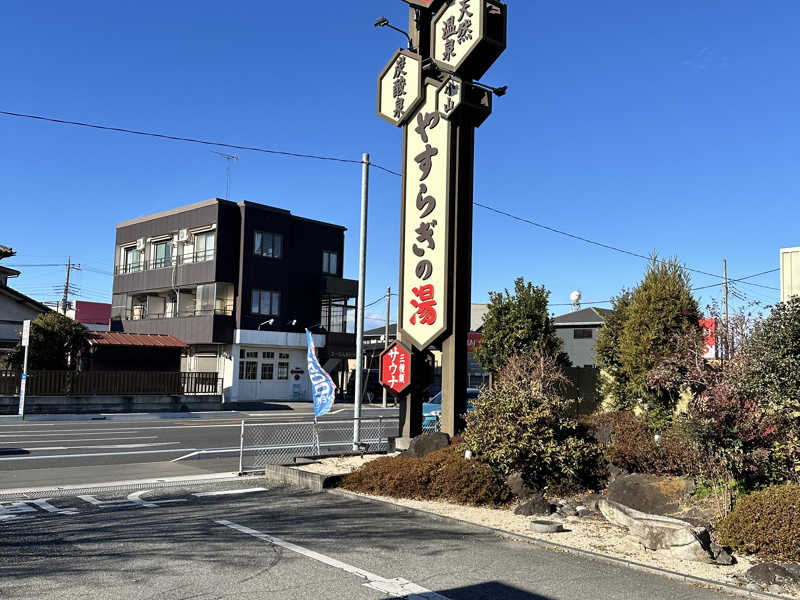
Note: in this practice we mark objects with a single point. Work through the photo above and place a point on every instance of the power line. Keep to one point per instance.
(581, 238)
(176, 138)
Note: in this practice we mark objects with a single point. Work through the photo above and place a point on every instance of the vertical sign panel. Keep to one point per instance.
(426, 226)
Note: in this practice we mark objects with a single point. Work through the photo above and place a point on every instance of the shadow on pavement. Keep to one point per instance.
(255, 406)
(491, 590)
(12, 451)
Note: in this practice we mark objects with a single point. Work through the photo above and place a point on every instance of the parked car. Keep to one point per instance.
(432, 410)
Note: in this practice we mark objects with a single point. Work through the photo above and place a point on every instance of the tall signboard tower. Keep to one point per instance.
(430, 90)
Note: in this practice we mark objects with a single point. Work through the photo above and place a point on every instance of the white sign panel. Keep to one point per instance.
(458, 30)
(400, 87)
(26, 332)
(426, 227)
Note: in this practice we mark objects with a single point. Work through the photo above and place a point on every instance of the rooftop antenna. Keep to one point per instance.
(228, 158)
(575, 298)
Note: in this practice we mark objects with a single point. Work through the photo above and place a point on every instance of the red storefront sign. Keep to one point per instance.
(395, 371)
(709, 327)
(473, 339)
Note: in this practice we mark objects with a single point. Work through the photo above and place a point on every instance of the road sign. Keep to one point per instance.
(395, 372)
(26, 332)
(467, 36)
(400, 87)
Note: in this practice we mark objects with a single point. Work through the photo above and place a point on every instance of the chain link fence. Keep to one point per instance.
(280, 443)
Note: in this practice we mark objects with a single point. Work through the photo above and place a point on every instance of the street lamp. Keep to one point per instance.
(269, 322)
(498, 91)
(384, 22)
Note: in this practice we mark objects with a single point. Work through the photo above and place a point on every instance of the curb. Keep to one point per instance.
(306, 480)
(156, 483)
(556, 547)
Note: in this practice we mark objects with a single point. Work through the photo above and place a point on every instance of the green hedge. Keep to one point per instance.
(766, 523)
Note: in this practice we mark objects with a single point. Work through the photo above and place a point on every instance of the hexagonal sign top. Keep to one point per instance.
(395, 368)
(467, 36)
(448, 98)
(400, 87)
(431, 4)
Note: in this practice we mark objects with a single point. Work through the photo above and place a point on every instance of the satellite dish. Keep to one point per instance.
(575, 298)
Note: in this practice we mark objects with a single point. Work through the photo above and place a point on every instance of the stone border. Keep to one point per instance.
(556, 547)
(306, 480)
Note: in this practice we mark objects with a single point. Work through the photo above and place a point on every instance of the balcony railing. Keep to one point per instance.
(142, 314)
(166, 262)
(111, 383)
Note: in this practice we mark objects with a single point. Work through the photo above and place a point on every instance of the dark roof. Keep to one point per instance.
(5, 252)
(140, 340)
(20, 297)
(587, 316)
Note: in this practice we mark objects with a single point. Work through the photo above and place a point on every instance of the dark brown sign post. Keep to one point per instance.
(439, 106)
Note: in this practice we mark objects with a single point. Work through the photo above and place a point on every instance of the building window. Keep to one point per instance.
(283, 370)
(161, 255)
(266, 302)
(330, 262)
(269, 245)
(268, 355)
(582, 334)
(267, 371)
(204, 246)
(283, 355)
(248, 369)
(132, 260)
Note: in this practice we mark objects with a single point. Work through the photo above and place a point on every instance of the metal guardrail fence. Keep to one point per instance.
(280, 443)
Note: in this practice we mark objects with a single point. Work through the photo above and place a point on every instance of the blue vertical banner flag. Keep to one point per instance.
(324, 388)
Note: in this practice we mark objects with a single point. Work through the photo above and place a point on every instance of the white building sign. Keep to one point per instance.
(400, 87)
(426, 225)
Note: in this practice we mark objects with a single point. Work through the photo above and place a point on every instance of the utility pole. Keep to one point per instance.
(386, 336)
(65, 298)
(727, 322)
(362, 267)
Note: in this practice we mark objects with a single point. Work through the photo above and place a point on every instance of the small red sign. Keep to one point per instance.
(472, 341)
(396, 368)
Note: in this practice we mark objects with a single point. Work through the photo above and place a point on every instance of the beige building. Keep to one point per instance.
(790, 273)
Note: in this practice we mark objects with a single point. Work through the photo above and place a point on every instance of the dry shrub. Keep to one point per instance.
(442, 475)
(766, 523)
(626, 439)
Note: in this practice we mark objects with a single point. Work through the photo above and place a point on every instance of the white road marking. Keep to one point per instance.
(114, 439)
(88, 454)
(134, 499)
(11, 511)
(105, 447)
(45, 505)
(397, 587)
(230, 492)
(72, 432)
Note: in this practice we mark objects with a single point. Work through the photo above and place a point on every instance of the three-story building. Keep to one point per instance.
(238, 282)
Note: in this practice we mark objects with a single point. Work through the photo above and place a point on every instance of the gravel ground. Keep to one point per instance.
(593, 533)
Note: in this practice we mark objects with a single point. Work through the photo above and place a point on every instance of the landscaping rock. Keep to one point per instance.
(584, 512)
(722, 556)
(518, 486)
(754, 587)
(771, 572)
(536, 505)
(661, 533)
(775, 589)
(650, 494)
(614, 472)
(546, 526)
(428, 442)
(567, 510)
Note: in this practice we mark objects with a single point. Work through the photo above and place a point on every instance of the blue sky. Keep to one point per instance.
(671, 126)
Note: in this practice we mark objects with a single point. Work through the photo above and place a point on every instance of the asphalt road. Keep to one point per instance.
(26, 447)
(284, 544)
